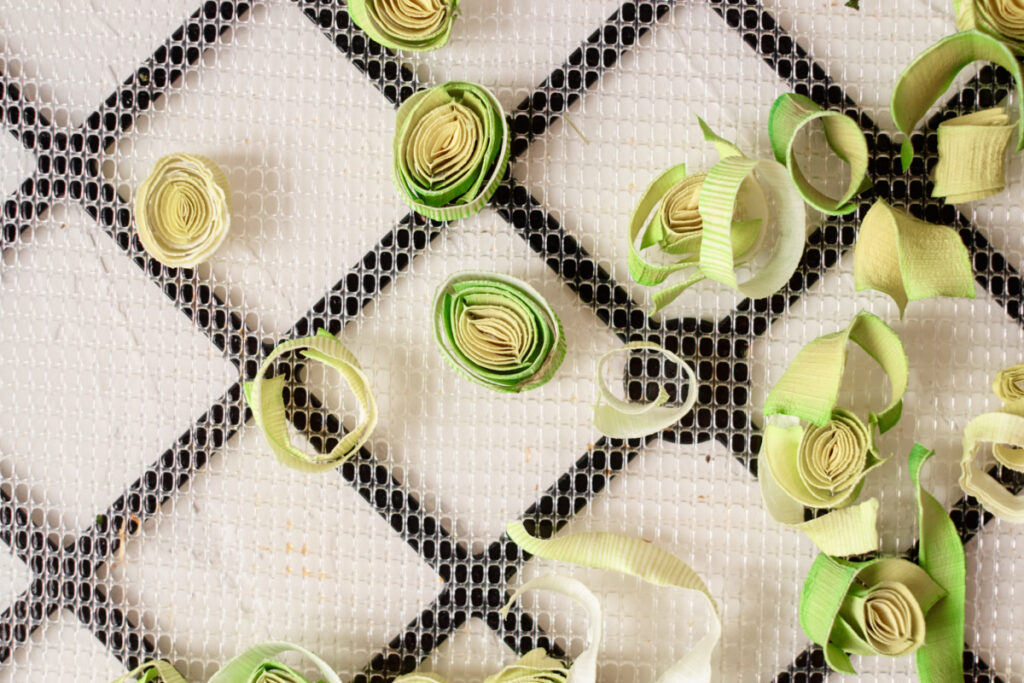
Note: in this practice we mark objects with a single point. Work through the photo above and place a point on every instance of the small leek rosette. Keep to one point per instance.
(822, 464)
(451, 150)
(1002, 19)
(536, 666)
(890, 606)
(183, 210)
(412, 25)
(497, 331)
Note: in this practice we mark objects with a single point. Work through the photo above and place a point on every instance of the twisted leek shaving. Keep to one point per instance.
(1005, 431)
(497, 331)
(893, 607)
(451, 150)
(267, 404)
(823, 465)
(182, 210)
(413, 25)
(789, 114)
(910, 259)
(703, 223)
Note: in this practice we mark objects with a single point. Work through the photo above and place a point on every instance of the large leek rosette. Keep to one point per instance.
(182, 210)
(891, 606)
(821, 465)
(497, 331)
(413, 25)
(451, 150)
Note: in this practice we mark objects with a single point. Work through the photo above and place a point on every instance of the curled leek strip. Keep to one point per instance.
(536, 666)
(497, 331)
(267, 403)
(972, 152)
(621, 419)
(789, 114)
(182, 210)
(1002, 19)
(890, 606)
(635, 557)
(932, 72)
(1005, 431)
(255, 665)
(810, 386)
(451, 150)
(910, 259)
(413, 25)
(823, 465)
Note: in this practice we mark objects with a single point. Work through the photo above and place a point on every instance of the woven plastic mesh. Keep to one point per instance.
(141, 514)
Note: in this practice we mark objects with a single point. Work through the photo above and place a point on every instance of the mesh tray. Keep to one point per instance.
(140, 512)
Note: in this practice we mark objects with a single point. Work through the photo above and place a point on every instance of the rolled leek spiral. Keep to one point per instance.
(182, 210)
(412, 25)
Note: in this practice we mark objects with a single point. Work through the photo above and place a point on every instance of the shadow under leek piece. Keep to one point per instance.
(972, 148)
(909, 259)
(183, 210)
(265, 399)
(258, 664)
(497, 331)
(789, 115)
(411, 25)
(710, 223)
(627, 555)
(451, 150)
(1004, 430)
(822, 465)
(893, 607)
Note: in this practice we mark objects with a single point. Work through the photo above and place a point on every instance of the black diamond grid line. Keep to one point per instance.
(793, 64)
(737, 326)
(101, 202)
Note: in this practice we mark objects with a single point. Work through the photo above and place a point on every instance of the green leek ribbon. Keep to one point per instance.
(451, 150)
(697, 227)
(627, 555)
(255, 665)
(893, 607)
(823, 465)
(789, 114)
(622, 419)
(536, 666)
(930, 75)
(1002, 19)
(972, 151)
(909, 259)
(1005, 431)
(497, 331)
(183, 210)
(412, 25)
(267, 403)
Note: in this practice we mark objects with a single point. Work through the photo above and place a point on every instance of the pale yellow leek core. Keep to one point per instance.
(183, 210)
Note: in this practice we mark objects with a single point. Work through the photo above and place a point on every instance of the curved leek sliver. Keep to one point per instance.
(183, 210)
(909, 259)
(497, 331)
(451, 150)
(972, 155)
(255, 665)
(810, 386)
(1005, 431)
(789, 114)
(622, 419)
(412, 25)
(932, 72)
(267, 404)
(635, 557)
(890, 606)
(1002, 19)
